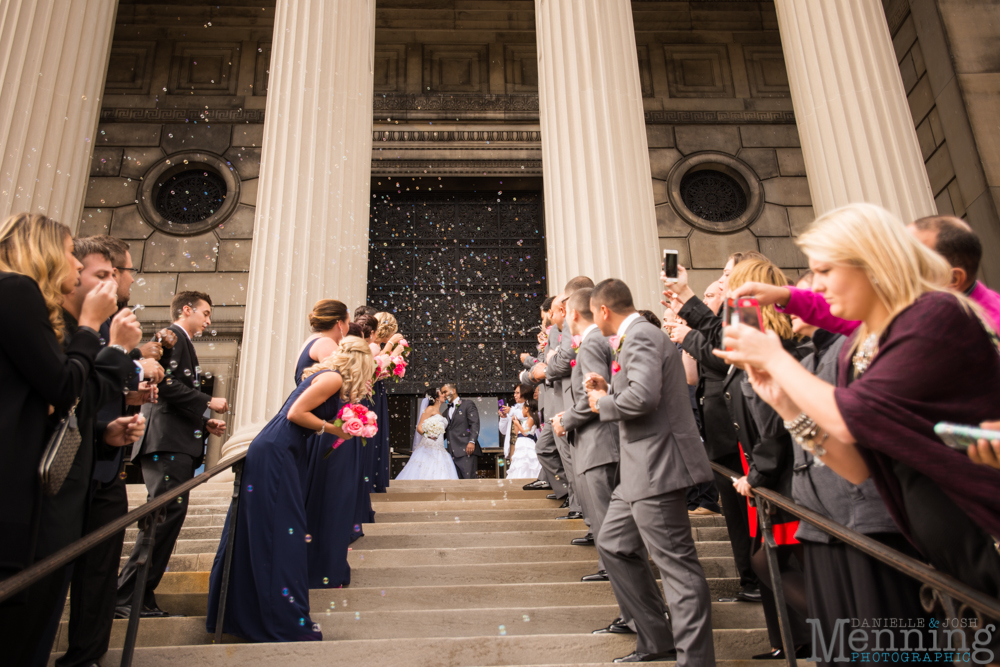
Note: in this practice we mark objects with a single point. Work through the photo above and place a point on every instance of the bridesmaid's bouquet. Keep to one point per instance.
(356, 421)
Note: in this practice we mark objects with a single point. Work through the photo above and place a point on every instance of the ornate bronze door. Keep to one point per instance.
(464, 273)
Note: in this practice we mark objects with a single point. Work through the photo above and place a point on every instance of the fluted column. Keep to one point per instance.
(53, 63)
(311, 233)
(600, 218)
(850, 106)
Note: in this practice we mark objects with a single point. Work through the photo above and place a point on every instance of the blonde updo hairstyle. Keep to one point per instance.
(33, 246)
(355, 363)
(326, 314)
(764, 271)
(387, 327)
(899, 268)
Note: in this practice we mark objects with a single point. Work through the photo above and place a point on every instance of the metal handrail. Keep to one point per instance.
(943, 588)
(148, 515)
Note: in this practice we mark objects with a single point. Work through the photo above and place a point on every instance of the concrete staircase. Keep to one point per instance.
(468, 572)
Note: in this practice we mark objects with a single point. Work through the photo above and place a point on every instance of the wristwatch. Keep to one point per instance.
(119, 348)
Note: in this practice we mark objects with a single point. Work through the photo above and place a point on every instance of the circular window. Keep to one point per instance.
(715, 192)
(189, 193)
(191, 196)
(713, 195)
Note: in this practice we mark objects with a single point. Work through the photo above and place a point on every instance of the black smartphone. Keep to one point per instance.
(670, 264)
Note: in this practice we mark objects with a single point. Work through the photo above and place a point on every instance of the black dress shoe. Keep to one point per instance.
(600, 575)
(801, 652)
(587, 541)
(571, 515)
(749, 594)
(124, 611)
(565, 503)
(531, 486)
(551, 496)
(635, 656)
(617, 627)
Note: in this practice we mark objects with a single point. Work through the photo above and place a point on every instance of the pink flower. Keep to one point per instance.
(613, 341)
(398, 360)
(400, 370)
(347, 413)
(353, 427)
(370, 418)
(572, 363)
(369, 431)
(576, 340)
(382, 361)
(615, 367)
(404, 343)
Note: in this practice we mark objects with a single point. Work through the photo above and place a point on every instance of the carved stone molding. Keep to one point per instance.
(718, 117)
(118, 115)
(520, 136)
(458, 167)
(457, 102)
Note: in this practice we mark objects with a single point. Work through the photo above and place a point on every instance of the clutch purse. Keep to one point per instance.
(59, 454)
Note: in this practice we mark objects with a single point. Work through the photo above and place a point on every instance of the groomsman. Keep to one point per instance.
(661, 456)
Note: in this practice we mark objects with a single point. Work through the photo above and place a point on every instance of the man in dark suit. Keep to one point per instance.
(661, 456)
(462, 432)
(174, 444)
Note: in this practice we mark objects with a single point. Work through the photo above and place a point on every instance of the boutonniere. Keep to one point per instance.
(575, 342)
(458, 402)
(572, 363)
(615, 367)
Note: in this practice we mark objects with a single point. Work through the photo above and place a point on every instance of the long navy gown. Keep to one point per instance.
(268, 598)
(331, 492)
(383, 457)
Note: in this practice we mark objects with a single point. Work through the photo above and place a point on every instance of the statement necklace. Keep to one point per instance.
(866, 352)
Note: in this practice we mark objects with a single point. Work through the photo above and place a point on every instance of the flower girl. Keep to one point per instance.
(523, 461)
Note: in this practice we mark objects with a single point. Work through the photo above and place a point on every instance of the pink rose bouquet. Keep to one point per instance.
(357, 421)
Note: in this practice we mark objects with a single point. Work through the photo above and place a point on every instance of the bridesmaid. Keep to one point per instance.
(330, 484)
(364, 327)
(387, 338)
(268, 598)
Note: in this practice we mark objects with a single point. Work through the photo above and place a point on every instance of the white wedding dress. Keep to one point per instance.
(430, 460)
(524, 464)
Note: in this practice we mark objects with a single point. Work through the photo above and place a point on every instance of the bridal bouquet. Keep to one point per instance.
(434, 427)
(356, 421)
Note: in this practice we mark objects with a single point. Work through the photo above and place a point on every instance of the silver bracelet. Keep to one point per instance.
(119, 348)
(322, 429)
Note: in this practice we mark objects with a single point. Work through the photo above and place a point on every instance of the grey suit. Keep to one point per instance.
(463, 428)
(545, 448)
(661, 456)
(557, 373)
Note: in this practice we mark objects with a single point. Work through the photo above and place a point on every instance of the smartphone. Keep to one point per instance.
(960, 436)
(500, 403)
(670, 264)
(749, 313)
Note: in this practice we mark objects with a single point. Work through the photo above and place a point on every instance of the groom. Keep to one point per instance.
(462, 432)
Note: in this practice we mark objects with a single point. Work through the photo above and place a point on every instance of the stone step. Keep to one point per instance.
(463, 504)
(493, 650)
(397, 624)
(186, 593)
(220, 496)
(409, 540)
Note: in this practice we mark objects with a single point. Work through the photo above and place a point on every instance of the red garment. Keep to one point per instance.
(784, 533)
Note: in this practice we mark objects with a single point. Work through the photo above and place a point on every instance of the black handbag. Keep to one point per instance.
(60, 453)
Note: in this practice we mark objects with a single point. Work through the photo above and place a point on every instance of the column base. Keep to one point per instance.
(237, 444)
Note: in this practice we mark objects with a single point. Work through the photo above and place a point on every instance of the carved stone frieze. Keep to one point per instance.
(458, 167)
(492, 136)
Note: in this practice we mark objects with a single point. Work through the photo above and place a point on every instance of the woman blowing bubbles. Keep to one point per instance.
(920, 356)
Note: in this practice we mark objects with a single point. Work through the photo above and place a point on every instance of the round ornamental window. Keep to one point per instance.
(189, 193)
(191, 196)
(715, 192)
(713, 195)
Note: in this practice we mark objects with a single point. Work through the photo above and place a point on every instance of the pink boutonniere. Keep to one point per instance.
(572, 363)
(615, 367)
(576, 341)
(613, 342)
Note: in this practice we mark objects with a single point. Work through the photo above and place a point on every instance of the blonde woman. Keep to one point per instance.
(920, 356)
(268, 600)
(386, 344)
(40, 383)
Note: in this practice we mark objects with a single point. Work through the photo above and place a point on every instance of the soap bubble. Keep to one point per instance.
(309, 538)
(326, 580)
(284, 591)
(503, 631)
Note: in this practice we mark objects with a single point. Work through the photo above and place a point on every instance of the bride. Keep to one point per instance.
(430, 460)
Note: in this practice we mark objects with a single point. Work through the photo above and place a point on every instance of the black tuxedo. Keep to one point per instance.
(463, 428)
(171, 450)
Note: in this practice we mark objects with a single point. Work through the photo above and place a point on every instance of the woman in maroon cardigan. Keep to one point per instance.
(921, 355)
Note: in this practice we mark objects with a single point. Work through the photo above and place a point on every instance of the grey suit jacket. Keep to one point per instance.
(544, 392)
(661, 450)
(463, 428)
(558, 370)
(595, 442)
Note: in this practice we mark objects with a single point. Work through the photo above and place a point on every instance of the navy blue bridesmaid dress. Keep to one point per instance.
(383, 457)
(331, 493)
(268, 598)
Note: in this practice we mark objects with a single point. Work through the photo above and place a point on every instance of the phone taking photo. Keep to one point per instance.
(749, 313)
(962, 436)
(670, 265)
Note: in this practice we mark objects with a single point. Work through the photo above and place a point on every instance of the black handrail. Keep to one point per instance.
(944, 588)
(149, 514)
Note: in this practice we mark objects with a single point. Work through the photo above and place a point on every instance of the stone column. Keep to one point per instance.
(854, 121)
(311, 233)
(600, 218)
(53, 63)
